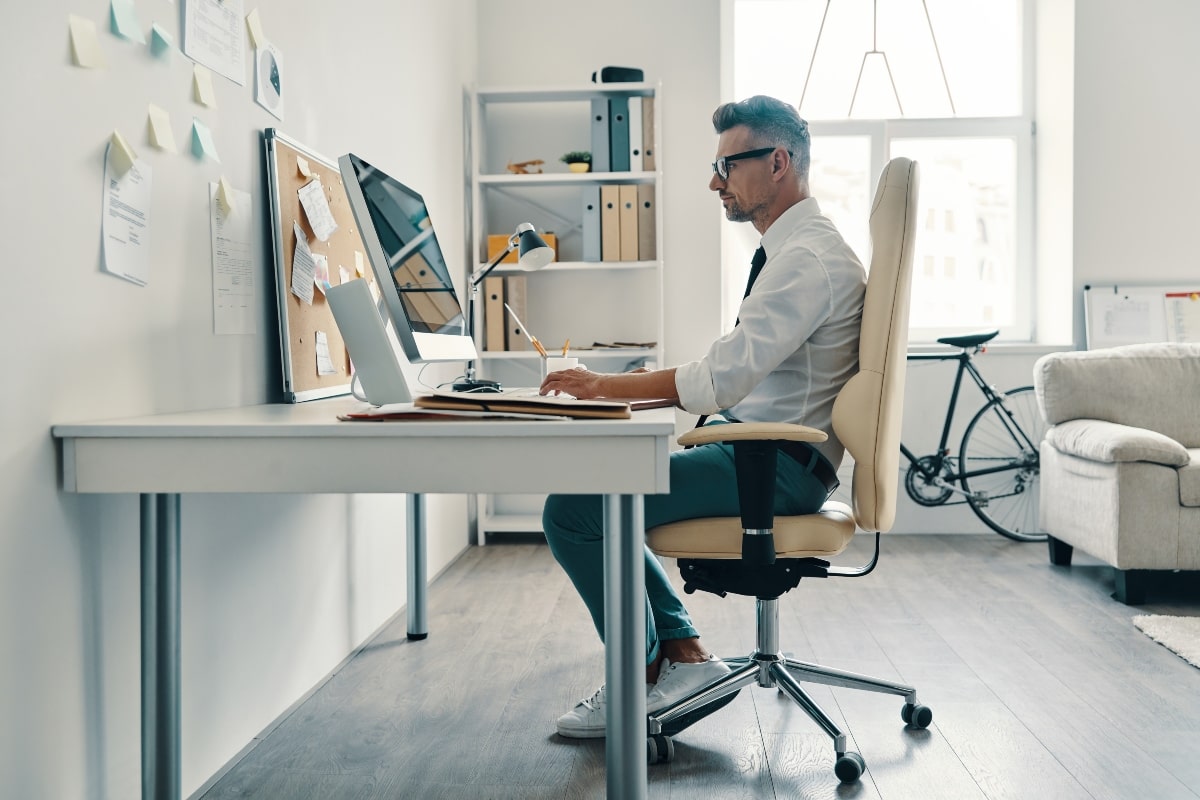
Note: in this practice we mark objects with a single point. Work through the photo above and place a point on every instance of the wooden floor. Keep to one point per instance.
(1040, 687)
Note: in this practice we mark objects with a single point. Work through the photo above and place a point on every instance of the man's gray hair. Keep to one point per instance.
(772, 121)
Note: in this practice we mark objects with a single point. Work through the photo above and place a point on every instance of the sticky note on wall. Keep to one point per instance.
(202, 142)
(202, 87)
(85, 47)
(254, 28)
(225, 197)
(161, 136)
(120, 154)
(123, 20)
(160, 41)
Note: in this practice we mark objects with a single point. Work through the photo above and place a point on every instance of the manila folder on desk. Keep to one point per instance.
(558, 406)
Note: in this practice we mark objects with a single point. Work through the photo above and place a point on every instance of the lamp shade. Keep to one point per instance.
(532, 250)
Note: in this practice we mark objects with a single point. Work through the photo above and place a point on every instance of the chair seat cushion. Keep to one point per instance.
(819, 535)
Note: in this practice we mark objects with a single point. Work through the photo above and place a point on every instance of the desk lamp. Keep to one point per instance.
(532, 253)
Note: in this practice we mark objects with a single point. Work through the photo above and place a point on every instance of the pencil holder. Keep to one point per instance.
(557, 363)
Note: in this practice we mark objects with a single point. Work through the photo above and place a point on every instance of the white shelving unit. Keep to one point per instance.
(585, 302)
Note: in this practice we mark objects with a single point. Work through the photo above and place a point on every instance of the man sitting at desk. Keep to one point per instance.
(793, 348)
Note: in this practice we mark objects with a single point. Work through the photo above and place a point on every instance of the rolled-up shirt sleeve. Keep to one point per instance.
(694, 385)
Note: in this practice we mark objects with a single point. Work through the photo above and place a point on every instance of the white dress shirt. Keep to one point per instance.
(796, 344)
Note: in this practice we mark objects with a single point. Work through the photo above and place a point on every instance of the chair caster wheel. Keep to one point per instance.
(659, 749)
(917, 716)
(849, 767)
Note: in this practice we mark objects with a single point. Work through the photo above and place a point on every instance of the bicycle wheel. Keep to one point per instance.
(1000, 464)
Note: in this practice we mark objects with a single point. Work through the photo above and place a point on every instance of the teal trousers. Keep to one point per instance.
(703, 484)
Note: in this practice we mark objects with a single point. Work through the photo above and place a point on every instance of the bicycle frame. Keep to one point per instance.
(933, 469)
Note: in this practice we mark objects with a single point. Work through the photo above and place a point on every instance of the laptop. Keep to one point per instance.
(376, 368)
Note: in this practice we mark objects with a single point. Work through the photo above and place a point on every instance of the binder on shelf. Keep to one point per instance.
(591, 223)
(647, 233)
(516, 297)
(618, 134)
(635, 134)
(496, 242)
(648, 157)
(628, 195)
(610, 223)
(600, 160)
(493, 313)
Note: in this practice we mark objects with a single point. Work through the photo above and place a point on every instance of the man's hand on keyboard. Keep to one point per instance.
(577, 382)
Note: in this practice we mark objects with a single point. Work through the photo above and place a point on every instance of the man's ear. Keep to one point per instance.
(781, 163)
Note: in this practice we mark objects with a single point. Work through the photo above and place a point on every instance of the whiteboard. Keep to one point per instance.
(1117, 315)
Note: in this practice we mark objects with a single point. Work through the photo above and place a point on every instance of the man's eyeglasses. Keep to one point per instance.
(721, 165)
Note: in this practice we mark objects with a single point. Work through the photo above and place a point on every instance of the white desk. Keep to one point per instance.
(272, 448)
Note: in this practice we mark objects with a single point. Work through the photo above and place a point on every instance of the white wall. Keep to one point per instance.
(1136, 161)
(276, 590)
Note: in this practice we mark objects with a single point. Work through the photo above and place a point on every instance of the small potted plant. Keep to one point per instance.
(577, 160)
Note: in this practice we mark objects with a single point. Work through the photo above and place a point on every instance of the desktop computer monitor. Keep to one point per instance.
(414, 281)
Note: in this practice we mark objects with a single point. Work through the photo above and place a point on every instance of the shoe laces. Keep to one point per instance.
(598, 700)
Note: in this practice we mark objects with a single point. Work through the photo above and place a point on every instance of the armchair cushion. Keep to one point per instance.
(1142, 385)
(1111, 442)
(1189, 481)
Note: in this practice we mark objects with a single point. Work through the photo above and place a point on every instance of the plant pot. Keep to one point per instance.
(579, 166)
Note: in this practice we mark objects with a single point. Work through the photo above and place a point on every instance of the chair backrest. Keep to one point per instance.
(867, 413)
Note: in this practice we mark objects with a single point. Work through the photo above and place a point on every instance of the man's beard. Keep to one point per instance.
(738, 213)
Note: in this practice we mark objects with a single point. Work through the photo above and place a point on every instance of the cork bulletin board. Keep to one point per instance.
(301, 322)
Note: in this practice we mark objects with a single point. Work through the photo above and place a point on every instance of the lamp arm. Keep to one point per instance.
(478, 277)
(473, 292)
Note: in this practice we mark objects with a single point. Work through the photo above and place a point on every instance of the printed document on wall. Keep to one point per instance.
(125, 228)
(235, 303)
(214, 34)
(1183, 316)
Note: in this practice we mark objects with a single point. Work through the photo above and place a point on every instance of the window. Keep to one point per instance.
(971, 132)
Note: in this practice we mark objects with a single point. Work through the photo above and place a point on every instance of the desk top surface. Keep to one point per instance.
(276, 448)
(318, 418)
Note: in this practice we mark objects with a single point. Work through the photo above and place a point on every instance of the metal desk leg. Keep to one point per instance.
(625, 645)
(161, 764)
(418, 626)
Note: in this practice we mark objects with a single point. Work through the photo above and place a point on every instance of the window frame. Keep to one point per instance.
(1020, 129)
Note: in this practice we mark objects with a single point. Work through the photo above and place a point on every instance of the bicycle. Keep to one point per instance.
(997, 467)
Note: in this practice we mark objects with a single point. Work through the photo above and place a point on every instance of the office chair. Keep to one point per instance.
(764, 557)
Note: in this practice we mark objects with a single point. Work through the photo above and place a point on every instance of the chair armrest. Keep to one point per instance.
(1111, 442)
(751, 431)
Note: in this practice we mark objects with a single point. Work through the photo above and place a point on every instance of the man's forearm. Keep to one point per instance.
(657, 383)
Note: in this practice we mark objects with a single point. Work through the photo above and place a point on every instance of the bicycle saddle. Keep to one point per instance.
(969, 339)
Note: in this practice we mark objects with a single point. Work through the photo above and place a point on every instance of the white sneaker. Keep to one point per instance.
(589, 719)
(679, 680)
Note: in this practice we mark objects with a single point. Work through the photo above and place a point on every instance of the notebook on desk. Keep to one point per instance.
(520, 401)
(533, 393)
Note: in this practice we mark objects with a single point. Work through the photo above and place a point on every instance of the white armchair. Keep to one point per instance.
(1120, 464)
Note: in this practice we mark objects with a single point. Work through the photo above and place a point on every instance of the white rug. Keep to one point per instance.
(1180, 635)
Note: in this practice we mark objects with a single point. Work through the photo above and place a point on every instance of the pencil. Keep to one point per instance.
(532, 339)
(566, 347)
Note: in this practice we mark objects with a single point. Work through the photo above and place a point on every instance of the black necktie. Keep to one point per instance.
(756, 265)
